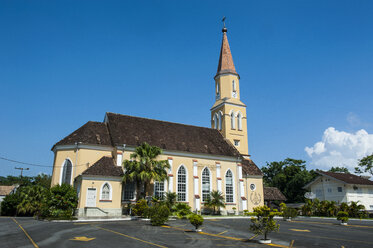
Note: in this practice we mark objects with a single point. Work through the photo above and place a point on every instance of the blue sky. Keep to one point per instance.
(305, 66)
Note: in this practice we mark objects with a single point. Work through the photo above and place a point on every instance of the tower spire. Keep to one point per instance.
(226, 64)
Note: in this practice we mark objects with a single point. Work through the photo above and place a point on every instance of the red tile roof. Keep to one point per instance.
(226, 64)
(105, 166)
(347, 178)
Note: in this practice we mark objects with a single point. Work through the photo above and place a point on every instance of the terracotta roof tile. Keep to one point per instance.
(134, 131)
(105, 166)
(5, 190)
(347, 178)
(93, 133)
(273, 194)
(226, 64)
(250, 168)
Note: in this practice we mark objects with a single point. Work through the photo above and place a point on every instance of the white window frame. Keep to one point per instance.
(63, 167)
(221, 115)
(186, 183)
(233, 120)
(210, 181)
(124, 191)
(155, 189)
(239, 120)
(233, 186)
(110, 191)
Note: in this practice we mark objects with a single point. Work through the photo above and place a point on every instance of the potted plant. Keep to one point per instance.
(343, 217)
(234, 210)
(196, 220)
(264, 223)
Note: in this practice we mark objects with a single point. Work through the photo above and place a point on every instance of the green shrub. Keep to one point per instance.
(9, 204)
(182, 210)
(264, 222)
(196, 220)
(288, 213)
(140, 208)
(158, 214)
(342, 216)
(246, 212)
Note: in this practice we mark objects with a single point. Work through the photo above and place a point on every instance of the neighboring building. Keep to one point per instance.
(202, 159)
(6, 190)
(273, 194)
(342, 187)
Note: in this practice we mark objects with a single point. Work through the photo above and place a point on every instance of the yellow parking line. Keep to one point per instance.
(222, 232)
(253, 237)
(292, 243)
(28, 236)
(127, 236)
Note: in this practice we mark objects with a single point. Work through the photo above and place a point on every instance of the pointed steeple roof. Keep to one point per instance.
(226, 64)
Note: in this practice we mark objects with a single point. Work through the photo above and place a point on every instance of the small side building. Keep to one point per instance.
(342, 187)
(272, 194)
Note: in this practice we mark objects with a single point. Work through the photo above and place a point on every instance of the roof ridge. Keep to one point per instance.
(144, 118)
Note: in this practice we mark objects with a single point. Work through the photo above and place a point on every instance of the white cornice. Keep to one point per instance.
(188, 154)
(83, 146)
(228, 103)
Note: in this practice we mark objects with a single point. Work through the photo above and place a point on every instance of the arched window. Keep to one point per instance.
(159, 190)
(205, 185)
(233, 121)
(105, 192)
(216, 120)
(220, 119)
(181, 184)
(239, 121)
(229, 187)
(217, 90)
(66, 172)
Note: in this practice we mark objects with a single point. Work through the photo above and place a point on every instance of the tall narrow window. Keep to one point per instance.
(220, 120)
(105, 192)
(181, 184)
(234, 86)
(233, 121)
(239, 121)
(216, 120)
(205, 185)
(66, 172)
(229, 187)
(217, 90)
(128, 191)
(159, 190)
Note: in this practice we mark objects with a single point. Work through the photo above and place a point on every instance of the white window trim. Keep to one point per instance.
(164, 187)
(216, 120)
(239, 120)
(234, 186)
(62, 168)
(233, 119)
(210, 176)
(110, 192)
(220, 120)
(186, 182)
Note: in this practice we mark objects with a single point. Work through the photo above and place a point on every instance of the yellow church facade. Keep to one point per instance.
(202, 159)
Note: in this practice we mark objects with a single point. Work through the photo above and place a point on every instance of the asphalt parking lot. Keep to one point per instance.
(220, 232)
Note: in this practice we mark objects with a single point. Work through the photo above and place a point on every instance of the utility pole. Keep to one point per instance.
(21, 169)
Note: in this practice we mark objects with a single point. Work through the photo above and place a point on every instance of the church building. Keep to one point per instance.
(201, 159)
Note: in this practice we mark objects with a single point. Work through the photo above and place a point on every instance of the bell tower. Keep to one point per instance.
(228, 114)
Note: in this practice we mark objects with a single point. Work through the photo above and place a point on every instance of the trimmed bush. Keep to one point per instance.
(182, 210)
(140, 208)
(289, 213)
(158, 214)
(196, 220)
(264, 222)
(342, 216)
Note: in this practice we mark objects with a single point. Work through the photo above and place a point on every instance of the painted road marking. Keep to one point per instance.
(222, 236)
(292, 243)
(213, 220)
(222, 232)
(82, 239)
(300, 230)
(28, 236)
(127, 236)
(322, 237)
(325, 223)
(253, 237)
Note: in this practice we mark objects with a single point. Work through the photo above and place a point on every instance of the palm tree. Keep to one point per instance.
(32, 197)
(331, 208)
(142, 168)
(356, 210)
(216, 200)
(170, 199)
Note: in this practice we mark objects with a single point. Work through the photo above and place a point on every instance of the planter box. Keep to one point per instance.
(265, 241)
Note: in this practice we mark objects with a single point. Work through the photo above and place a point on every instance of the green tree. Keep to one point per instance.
(216, 201)
(365, 165)
(170, 199)
(32, 198)
(339, 170)
(264, 222)
(356, 210)
(42, 180)
(289, 176)
(9, 204)
(143, 168)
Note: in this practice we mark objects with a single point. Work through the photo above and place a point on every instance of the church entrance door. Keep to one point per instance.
(91, 197)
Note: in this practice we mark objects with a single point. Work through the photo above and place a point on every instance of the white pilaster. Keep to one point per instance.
(119, 158)
(170, 176)
(218, 176)
(195, 186)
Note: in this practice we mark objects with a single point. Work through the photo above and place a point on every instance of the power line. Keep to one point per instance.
(33, 164)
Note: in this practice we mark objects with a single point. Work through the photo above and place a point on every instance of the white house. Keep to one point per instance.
(342, 187)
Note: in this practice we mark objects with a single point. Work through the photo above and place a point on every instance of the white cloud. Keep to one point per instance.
(338, 148)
